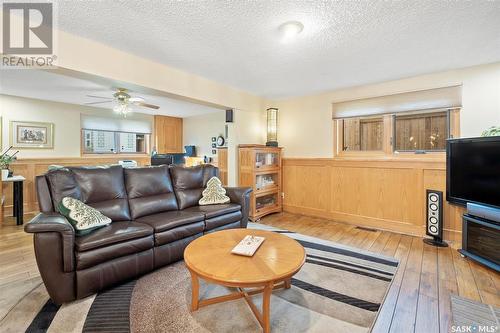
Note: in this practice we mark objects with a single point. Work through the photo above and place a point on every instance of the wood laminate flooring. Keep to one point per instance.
(418, 300)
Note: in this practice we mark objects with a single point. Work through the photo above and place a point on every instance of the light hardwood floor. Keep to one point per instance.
(418, 300)
(17, 256)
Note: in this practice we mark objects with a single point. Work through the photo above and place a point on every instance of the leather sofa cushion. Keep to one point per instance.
(214, 210)
(234, 225)
(172, 219)
(62, 183)
(114, 233)
(189, 183)
(104, 189)
(44, 196)
(209, 171)
(149, 191)
(96, 278)
(94, 257)
(222, 220)
(175, 234)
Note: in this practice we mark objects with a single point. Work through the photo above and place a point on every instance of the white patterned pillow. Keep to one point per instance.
(214, 194)
(83, 217)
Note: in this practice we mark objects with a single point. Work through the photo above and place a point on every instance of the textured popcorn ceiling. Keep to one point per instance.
(344, 43)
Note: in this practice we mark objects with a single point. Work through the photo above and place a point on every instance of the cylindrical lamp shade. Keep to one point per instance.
(272, 127)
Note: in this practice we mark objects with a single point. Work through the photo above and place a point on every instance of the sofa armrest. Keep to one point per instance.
(49, 222)
(54, 239)
(55, 223)
(241, 196)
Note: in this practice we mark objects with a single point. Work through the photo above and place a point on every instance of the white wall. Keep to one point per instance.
(305, 123)
(65, 117)
(246, 128)
(199, 130)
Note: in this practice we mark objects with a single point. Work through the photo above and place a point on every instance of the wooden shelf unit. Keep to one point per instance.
(256, 163)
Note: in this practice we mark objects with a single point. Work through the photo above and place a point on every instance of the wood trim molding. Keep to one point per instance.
(400, 163)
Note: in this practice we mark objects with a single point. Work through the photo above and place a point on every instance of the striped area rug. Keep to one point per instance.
(339, 289)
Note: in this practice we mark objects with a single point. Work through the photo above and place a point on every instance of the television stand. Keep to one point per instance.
(481, 235)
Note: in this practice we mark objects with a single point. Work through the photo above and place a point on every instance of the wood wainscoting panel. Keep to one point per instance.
(387, 194)
(32, 167)
(307, 187)
(436, 180)
(380, 193)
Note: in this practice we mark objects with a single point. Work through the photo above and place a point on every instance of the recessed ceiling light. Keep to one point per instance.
(290, 30)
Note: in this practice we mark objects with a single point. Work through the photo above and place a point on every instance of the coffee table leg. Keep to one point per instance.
(266, 304)
(195, 289)
(288, 283)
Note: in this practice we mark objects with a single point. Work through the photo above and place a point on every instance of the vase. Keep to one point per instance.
(5, 174)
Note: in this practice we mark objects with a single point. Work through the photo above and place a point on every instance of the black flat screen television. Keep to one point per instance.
(473, 171)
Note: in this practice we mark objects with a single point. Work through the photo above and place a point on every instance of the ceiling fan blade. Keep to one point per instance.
(93, 96)
(91, 103)
(136, 99)
(145, 105)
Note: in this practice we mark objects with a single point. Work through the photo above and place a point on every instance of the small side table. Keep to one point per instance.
(17, 184)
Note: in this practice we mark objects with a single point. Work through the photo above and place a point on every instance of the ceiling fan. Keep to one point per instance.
(123, 102)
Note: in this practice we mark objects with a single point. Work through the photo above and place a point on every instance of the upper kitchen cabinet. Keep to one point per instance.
(168, 134)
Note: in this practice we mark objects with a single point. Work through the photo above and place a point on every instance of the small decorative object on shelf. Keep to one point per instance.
(265, 181)
(248, 246)
(260, 168)
(266, 201)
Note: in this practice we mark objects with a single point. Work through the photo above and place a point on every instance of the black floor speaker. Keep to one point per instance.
(434, 218)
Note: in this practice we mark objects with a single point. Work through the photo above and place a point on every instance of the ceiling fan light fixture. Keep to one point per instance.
(290, 30)
(122, 109)
(123, 102)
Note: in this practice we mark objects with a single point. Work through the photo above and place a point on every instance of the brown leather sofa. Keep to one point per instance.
(155, 215)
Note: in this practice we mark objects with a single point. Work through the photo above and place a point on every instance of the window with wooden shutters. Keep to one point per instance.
(363, 134)
(413, 122)
(421, 131)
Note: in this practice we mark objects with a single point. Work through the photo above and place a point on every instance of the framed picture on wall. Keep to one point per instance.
(32, 135)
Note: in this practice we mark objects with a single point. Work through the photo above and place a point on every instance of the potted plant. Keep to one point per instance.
(492, 131)
(5, 161)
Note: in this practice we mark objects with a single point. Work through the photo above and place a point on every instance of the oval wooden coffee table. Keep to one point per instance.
(271, 267)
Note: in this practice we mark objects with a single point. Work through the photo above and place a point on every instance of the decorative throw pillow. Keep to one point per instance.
(214, 194)
(83, 217)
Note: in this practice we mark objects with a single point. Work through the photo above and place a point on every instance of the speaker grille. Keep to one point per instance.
(434, 213)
